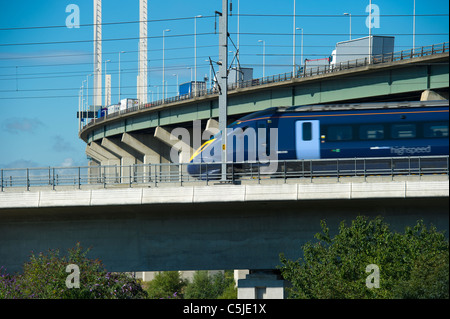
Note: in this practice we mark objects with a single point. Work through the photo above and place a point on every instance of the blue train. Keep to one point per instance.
(388, 129)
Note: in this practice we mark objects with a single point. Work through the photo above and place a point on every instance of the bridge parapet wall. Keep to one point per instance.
(224, 193)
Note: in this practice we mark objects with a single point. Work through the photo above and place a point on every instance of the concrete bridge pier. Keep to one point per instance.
(429, 95)
(149, 152)
(262, 284)
(181, 147)
(126, 157)
(180, 150)
(103, 157)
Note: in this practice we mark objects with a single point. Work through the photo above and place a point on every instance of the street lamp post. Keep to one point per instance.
(293, 47)
(106, 88)
(195, 53)
(163, 71)
(151, 91)
(370, 32)
(191, 77)
(82, 98)
(350, 16)
(178, 89)
(301, 52)
(264, 56)
(210, 71)
(87, 92)
(119, 72)
(414, 24)
(157, 91)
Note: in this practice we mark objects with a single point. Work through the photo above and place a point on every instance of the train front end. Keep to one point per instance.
(204, 164)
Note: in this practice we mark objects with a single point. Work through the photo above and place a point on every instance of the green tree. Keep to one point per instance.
(413, 264)
(220, 285)
(167, 284)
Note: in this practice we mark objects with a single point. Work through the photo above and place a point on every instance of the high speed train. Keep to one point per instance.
(387, 129)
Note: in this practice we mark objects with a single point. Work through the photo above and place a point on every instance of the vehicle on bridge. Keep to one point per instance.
(392, 129)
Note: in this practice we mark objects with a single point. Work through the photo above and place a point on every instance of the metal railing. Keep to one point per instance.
(154, 174)
(305, 72)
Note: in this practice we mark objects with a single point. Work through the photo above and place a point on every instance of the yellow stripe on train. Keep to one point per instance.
(197, 152)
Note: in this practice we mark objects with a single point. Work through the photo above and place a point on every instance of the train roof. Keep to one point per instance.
(363, 106)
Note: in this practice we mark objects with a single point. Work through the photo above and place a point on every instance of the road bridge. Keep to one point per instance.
(141, 135)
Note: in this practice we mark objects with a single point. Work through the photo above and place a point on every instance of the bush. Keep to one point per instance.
(166, 285)
(44, 277)
(219, 286)
(414, 264)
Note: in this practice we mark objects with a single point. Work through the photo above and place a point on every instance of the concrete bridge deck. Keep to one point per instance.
(405, 77)
(198, 192)
(206, 227)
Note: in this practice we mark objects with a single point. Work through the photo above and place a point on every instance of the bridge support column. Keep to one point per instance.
(96, 157)
(175, 143)
(150, 155)
(180, 150)
(429, 95)
(102, 155)
(126, 159)
(105, 158)
(212, 126)
(262, 284)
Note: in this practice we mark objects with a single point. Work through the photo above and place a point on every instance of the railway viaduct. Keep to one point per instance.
(194, 227)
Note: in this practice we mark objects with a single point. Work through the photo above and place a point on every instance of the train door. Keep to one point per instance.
(307, 139)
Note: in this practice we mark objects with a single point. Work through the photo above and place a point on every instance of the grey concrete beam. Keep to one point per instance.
(95, 155)
(212, 126)
(113, 147)
(136, 144)
(105, 158)
(111, 159)
(177, 146)
(150, 155)
(126, 159)
(429, 95)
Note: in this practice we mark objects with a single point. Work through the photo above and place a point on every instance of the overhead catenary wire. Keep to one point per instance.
(212, 16)
(37, 76)
(103, 23)
(103, 40)
(212, 33)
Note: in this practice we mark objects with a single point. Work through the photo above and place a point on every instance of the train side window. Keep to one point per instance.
(339, 133)
(436, 129)
(403, 130)
(307, 131)
(371, 132)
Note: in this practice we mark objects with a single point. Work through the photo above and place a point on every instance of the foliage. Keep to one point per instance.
(44, 277)
(218, 286)
(166, 285)
(413, 264)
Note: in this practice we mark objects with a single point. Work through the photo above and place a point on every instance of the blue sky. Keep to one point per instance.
(40, 80)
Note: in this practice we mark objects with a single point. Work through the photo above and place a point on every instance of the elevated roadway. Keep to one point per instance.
(142, 135)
